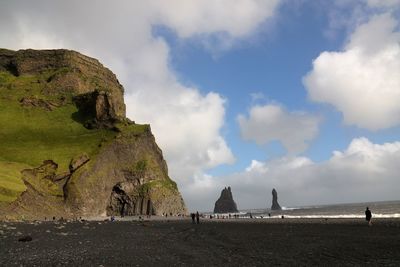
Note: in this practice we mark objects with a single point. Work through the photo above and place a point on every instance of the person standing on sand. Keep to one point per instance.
(197, 217)
(368, 216)
(193, 216)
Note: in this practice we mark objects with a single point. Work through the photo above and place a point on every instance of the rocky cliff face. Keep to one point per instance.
(225, 203)
(129, 176)
(275, 204)
(68, 149)
(96, 90)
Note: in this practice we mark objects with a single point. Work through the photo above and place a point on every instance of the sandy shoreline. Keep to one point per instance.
(176, 242)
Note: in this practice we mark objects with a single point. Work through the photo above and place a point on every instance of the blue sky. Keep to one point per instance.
(298, 95)
(272, 64)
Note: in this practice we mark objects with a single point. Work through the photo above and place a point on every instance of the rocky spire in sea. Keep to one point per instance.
(225, 203)
(275, 204)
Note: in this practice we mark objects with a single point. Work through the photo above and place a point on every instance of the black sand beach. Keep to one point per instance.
(268, 242)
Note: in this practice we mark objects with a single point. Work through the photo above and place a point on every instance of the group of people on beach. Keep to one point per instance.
(195, 216)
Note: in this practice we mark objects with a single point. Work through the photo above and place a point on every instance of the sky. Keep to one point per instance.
(298, 95)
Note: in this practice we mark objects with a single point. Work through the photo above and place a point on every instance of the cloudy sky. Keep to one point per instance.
(298, 95)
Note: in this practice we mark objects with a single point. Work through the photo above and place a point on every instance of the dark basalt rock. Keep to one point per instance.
(275, 204)
(97, 110)
(225, 203)
(25, 239)
(129, 198)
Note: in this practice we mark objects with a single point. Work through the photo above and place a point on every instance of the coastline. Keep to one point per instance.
(176, 241)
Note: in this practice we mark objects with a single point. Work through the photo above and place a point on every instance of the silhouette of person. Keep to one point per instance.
(368, 216)
(197, 217)
(193, 216)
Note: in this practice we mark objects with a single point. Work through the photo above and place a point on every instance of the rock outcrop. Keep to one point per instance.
(225, 203)
(275, 204)
(70, 73)
(85, 157)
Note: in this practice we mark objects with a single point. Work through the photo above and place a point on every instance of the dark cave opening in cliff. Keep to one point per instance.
(122, 203)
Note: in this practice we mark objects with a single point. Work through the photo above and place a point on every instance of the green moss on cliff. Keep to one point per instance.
(11, 184)
(27, 85)
(158, 190)
(30, 134)
(6, 78)
(44, 186)
(167, 184)
(132, 129)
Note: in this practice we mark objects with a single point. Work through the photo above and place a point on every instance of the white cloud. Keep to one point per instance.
(203, 191)
(258, 166)
(187, 124)
(363, 172)
(363, 81)
(273, 123)
(384, 3)
(190, 18)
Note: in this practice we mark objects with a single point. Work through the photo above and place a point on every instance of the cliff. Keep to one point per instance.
(225, 203)
(68, 149)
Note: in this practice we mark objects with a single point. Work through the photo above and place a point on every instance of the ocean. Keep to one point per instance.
(383, 209)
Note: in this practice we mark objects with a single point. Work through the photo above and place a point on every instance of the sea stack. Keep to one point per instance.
(225, 203)
(275, 204)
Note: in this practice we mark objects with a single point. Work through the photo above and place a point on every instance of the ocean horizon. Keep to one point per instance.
(380, 209)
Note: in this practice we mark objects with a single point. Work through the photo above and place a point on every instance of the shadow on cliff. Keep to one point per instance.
(83, 117)
(86, 113)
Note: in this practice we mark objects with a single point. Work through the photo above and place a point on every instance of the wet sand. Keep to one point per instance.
(257, 242)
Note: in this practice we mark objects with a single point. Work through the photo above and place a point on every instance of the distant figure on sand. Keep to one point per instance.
(368, 216)
(197, 217)
(193, 216)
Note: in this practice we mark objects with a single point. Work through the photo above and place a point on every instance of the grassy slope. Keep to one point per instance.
(30, 135)
(11, 186)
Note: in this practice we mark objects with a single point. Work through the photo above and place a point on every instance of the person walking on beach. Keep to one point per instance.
(368, 216)
(197, 217)
(193, 216)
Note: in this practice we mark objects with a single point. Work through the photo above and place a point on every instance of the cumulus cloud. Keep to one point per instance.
(363, 80)
(187, 124)
(384, 3)
(189, 18)
(273, 123)
(364, 171)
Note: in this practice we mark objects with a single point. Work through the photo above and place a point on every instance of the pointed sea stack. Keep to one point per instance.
(275, 204)
(225, 203)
